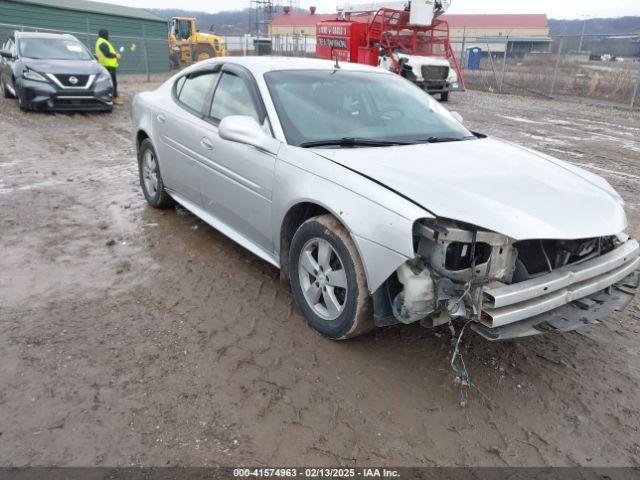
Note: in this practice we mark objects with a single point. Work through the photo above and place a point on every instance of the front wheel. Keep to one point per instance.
(203, 52)
(5, 90)
(328, 280)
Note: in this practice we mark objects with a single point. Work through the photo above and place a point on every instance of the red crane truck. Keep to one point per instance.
(405, 37)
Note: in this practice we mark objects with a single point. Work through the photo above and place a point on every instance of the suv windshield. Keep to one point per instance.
(318, 105)
(53, 49)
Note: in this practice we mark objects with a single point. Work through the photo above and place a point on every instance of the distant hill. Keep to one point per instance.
(622, 46)
(595, 26)
(236, 22)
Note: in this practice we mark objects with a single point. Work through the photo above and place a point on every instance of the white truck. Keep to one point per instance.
(433, 74)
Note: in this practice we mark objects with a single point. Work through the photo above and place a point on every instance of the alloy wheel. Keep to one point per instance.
(150, 173)
(323, 278)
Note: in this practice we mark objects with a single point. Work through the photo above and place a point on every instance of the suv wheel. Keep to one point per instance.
(5, 89)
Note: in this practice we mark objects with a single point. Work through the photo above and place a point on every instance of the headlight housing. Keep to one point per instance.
(453, 77)
(103, 77)
(33, 75)
(464, 252)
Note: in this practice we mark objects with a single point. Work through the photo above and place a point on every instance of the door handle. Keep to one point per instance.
(161, 118)
(206, 143)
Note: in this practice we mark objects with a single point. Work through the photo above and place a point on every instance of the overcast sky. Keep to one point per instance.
(553, 8)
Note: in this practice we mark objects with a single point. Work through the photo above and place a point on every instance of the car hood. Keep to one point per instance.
(76, 67)
(495, 185)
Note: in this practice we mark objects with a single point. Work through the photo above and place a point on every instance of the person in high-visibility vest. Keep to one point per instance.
(108, 57)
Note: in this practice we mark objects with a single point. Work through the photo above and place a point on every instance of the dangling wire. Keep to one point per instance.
(462, 377)
(546, 257)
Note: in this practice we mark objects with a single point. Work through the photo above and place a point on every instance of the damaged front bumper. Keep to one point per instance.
(571, 316)
(506, 304)
(563, 300)
(471, 275)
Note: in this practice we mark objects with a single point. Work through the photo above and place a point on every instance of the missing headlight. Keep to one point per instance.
(459, 255)
(465, 253)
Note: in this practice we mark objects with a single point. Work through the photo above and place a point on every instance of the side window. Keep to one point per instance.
(179, 85)
(192, 91)
(183, 29)
(8, 47)
(232, 97)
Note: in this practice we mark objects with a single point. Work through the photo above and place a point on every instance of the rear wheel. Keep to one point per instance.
(328, 280)
(444, 97)
(150, 177)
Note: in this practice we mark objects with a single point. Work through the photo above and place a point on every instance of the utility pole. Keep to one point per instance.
(554, 79)
(584, 25)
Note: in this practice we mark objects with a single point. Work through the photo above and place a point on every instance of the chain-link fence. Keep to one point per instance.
(598, 67)
(140, 55)
(294, 45)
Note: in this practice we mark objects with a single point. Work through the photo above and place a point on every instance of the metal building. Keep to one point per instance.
(141, 35)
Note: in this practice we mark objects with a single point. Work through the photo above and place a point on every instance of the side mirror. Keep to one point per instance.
(457, 116)
(5, 54)
(245, 129)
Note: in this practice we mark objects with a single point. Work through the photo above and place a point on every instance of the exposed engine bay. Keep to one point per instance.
(463, 272)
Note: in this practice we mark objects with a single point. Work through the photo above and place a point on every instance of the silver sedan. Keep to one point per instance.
(378, 205)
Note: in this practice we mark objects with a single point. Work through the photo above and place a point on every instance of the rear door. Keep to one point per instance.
(177, 123)
(236, 180)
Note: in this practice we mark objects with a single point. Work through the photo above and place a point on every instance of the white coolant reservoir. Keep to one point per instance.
(416, 300)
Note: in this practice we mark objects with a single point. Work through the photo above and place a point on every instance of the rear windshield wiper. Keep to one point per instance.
(352, 142)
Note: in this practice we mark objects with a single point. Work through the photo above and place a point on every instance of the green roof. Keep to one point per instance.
(97, 7)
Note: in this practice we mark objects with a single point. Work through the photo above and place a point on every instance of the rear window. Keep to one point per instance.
(192, 91)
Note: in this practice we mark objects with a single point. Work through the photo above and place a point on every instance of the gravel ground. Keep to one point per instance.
(130, 336)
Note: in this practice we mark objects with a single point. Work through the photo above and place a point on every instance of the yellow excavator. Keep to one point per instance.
(188, 45)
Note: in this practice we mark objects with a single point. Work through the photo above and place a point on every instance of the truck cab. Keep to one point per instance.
(433, 74)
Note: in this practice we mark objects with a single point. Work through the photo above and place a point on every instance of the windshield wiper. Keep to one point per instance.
(448, 139)
(352, 142)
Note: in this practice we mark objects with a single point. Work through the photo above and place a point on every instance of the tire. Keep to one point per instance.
(5, 90)
(353, 317)
(203, 52)
(444, 97)
(20, 104)
(147, 167)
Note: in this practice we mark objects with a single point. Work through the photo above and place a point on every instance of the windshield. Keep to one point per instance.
(53, 49)
(318, 105)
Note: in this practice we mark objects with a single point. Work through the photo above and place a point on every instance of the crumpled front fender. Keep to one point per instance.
(379, 220)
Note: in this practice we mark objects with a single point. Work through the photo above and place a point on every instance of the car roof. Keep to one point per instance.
(264, 64)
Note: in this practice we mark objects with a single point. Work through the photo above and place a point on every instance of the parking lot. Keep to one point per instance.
(131, 336)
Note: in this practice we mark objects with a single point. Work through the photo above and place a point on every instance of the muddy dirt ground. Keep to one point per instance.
(131, 336)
